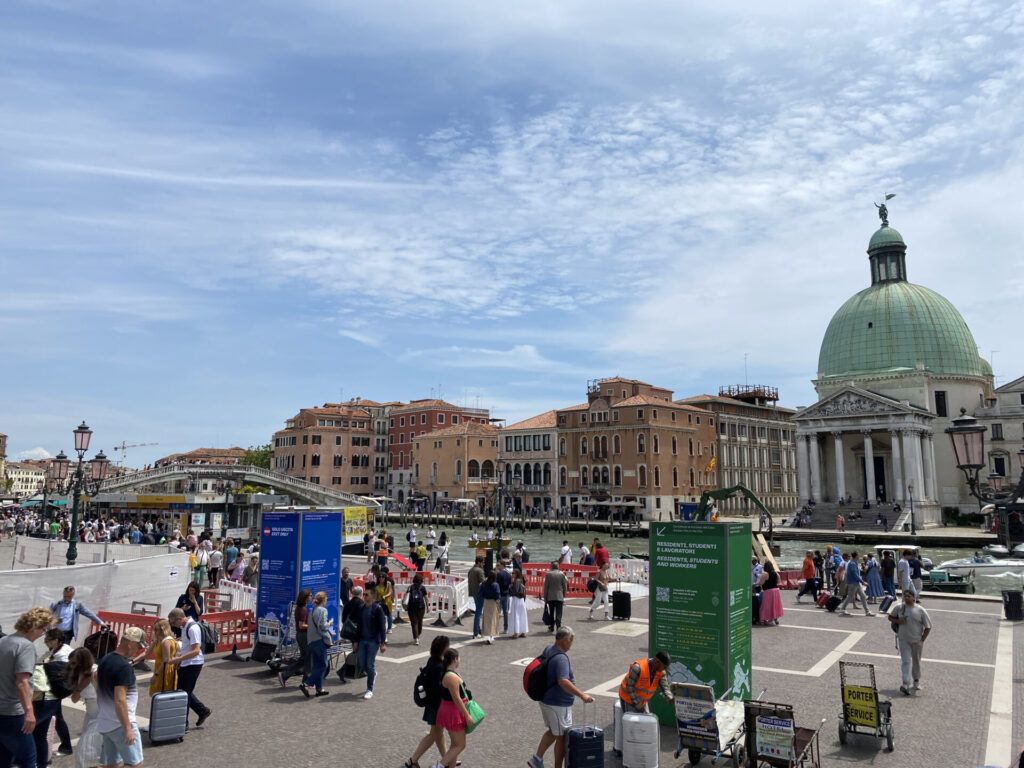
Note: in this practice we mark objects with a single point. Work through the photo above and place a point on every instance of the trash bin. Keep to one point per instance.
(906, 527)
(1013, 604)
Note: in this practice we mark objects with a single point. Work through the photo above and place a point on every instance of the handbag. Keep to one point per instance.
(546, 618)
(350, 630)
(475, 710)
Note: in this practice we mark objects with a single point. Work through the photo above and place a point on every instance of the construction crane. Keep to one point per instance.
(123, 448)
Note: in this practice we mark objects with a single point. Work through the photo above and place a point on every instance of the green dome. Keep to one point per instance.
(885, 237)
(894, 326)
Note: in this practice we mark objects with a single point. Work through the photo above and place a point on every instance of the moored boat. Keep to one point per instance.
(995, 550)
(488, 543)
(981, 565)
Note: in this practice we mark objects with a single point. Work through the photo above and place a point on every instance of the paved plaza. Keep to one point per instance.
(962, 716)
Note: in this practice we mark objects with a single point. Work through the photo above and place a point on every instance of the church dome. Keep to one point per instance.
(894, 325)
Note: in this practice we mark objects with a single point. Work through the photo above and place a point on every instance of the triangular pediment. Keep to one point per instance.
(853, 401)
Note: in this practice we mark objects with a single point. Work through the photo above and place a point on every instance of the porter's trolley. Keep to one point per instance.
(863, 711)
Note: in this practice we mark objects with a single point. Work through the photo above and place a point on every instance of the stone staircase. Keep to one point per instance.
(823, 516)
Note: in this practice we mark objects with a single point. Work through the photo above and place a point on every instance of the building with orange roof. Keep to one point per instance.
(329, 445)
(528, 450)
(204, 456)
(630, 448)
(756, 446)
(451, 462)
(408, 421)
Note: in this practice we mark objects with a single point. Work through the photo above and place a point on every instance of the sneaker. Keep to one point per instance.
(416, 641)
(535, 762)
(304, 689)
(607, 617)
(281, 679)
(869, 613)
(490, 641)
(916, 686)
(368, 695)
(590, 615)
(203, 718)
(322, 693)
(845, 613)
(341, 676)
(904, 691)
(63, 751)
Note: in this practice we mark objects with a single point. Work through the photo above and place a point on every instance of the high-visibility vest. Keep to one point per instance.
(646, 685)
(383, 551)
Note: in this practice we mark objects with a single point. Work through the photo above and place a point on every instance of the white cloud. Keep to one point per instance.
(33, 453)
(522, 357)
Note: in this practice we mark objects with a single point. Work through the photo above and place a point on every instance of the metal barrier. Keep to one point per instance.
(447, 595)
(633, 571)
(234, 628)
(243, 597)
(577, 576)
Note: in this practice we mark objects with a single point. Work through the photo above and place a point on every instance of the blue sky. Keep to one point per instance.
(213, 216)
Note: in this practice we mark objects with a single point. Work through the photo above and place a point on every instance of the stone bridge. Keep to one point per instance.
(300, 490)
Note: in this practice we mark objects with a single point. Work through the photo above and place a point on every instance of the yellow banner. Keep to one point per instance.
(150, 499)
(861, 705)
(711, 465)
(355, 524)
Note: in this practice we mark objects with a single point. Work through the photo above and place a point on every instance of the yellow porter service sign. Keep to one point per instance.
(861, 705)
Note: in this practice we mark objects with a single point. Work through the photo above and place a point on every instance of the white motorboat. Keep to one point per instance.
(986, 564)
(1018, 551)
(996, 550)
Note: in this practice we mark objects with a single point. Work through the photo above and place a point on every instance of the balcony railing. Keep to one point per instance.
(456, 478)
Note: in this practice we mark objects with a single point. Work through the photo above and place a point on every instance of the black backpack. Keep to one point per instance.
(57, 676)
(419, 688)
(535, 676)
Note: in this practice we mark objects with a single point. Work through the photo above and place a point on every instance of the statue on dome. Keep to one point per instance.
(883, 212)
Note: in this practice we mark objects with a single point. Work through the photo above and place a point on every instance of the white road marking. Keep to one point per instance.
(609, 688)
(622, 629)
(827, 661)
(936, 661)
(1000, 721)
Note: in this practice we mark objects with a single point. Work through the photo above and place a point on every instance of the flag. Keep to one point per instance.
(711, 465)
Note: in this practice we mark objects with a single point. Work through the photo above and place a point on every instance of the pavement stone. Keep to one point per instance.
(258, 724)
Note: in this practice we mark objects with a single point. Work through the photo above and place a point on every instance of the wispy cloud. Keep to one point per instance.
(33, 453)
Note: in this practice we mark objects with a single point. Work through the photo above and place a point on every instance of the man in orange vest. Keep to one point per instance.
(644, 678)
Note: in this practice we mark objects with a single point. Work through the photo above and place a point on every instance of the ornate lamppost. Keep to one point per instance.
(967, 437)
(500, 490)
(78, 483)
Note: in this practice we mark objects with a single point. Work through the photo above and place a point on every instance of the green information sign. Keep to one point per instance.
(700, 606)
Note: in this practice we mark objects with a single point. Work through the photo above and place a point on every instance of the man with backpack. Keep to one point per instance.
(189, 661)
(559, 692)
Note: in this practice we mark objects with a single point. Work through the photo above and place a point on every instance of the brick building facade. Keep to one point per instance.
(331, 445)
(450, 462)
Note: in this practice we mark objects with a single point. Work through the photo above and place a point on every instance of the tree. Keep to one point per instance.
(258, 455)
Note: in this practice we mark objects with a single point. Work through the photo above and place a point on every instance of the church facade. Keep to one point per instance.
(897, 363)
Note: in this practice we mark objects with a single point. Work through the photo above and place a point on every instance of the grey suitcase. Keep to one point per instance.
(168, 716)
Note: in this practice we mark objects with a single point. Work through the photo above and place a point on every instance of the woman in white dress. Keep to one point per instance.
(518, 622)
(81, 672)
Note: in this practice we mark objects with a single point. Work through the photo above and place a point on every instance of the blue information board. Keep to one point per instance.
(320, 558)
(279, 546)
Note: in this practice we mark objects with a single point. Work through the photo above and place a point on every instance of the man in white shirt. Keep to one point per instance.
(566, 555)
(189, 661)
(914, 626)
(903, 581)
(431, 536)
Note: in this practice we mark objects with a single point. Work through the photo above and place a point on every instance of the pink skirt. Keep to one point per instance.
(771, 605)
(450, 717)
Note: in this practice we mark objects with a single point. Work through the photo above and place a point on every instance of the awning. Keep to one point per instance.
(580, 503)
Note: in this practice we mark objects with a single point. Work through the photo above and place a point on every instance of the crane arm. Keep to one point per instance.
(720, 494)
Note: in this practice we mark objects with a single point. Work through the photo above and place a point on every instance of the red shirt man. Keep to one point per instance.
(600, 554)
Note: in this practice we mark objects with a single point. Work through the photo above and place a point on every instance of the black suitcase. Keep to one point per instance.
(886, 604)
(833, 603)
(621, 605)
(584, 744)
(352, 669)
(168, 716)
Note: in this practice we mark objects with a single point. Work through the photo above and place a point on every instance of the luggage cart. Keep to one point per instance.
(287, 648)
(863, 711)
(708, 726)
(773, 739)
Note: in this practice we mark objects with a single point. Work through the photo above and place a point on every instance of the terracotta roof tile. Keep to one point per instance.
(427, 404)
(580, 407)
(464, 428)
(542, 421)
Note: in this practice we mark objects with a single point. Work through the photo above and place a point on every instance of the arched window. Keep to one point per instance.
(618, 476)
(604, 446)
(433, 471)
(657, 477)
(473, 467)
(641, 444)
(675, 477)
(675, 446)
(583, 447)
(508, 474)
(642, 475)
(692, 483)
(527, 475)
(486, 469)
(458, 468)
(604, 475)
(561, 447)
(691, 446)
(547, 473)
(536, 474)
(562, 477)
(616, 444)
(584, 475)
(712, 449)
(656, 443)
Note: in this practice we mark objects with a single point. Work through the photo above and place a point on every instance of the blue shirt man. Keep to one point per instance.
(556, 706)
(853, 572)
(67, 612)
(504, 579)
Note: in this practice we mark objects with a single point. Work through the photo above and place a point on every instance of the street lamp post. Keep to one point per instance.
(967, 437)
(78, 482)
(500, 489)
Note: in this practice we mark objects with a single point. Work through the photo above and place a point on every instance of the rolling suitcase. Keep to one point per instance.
(263, 652)
(584, 744)
(168, 716)
(886, 604)
(621, 605)
(823, 598)
(641, 740)
(617, 727)
(833, 603)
